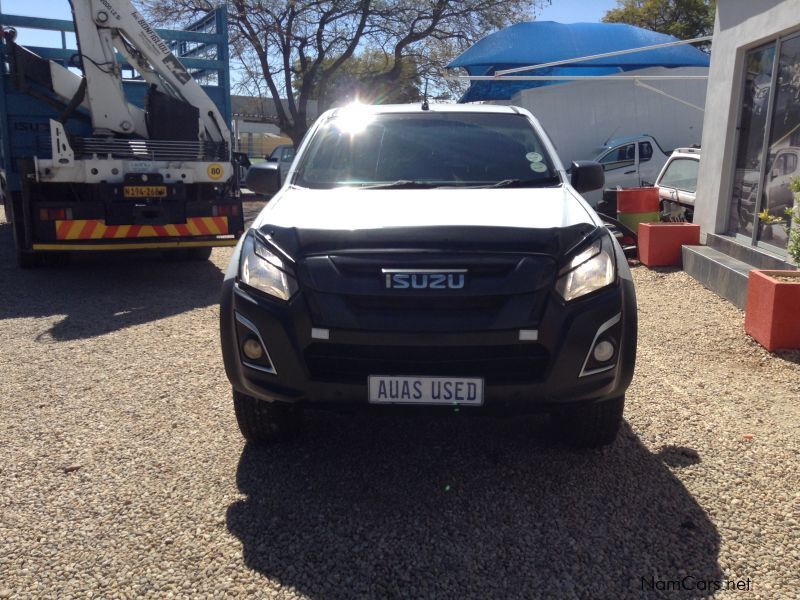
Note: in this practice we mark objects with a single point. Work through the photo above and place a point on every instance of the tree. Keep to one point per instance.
(685, 19)
(360, 79)
(297, 48)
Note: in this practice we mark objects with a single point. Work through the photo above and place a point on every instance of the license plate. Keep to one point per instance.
(145, 191)
(395, 389)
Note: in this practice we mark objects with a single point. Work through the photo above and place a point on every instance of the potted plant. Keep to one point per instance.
(773, 297)
(793, 226)
(767, 222)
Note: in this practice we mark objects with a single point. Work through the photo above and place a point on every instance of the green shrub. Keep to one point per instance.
(793, 217)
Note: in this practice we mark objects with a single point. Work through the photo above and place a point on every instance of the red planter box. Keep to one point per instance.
(660, 243)
(638, 200)
(772, 316)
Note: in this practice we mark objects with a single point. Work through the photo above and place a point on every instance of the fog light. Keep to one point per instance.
(252, 349)
(603, 351)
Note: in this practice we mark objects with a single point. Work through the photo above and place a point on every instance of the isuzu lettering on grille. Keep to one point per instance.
(424, 279)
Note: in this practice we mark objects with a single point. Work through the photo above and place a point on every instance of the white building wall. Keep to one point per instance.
(740, 25)
(579, 116)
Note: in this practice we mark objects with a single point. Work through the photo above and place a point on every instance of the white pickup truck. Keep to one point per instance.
(633, 161)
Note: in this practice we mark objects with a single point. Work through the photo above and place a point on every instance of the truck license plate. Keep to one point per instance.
(396, 389)
(145, 191)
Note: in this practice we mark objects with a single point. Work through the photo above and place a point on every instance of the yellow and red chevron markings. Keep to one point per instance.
(96, 229)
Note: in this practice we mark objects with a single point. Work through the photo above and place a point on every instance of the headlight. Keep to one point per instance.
(587, 272)
(264, 271)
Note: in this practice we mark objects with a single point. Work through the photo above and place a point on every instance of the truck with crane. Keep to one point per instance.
(121, 144)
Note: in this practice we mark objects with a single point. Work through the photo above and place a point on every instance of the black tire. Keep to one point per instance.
(264, 422)
(590, 425)
(200, 253)
(25, 258)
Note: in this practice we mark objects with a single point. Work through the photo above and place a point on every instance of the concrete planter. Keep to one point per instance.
(637, 205)
(660, 243)
(772, 316)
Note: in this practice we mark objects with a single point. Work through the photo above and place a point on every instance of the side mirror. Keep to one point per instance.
(264, 178)
(242, 159)
(587, 175)
(774, 173)
(271, 158)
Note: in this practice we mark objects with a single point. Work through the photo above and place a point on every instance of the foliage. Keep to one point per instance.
(790, 221)
(360, 78)
(768, 218)
(297, 49)
(685, 19)
(793, 214)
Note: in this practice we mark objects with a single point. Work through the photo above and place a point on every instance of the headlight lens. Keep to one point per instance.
(587, 272)
(264, 271)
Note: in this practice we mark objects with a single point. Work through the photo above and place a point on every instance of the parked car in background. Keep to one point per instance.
(784, 167)
(283, 155)
(628, 162)
(677, 183)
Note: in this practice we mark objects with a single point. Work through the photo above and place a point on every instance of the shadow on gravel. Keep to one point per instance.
(678, 456)
(100, 293)
(792, 356)
(394, 507)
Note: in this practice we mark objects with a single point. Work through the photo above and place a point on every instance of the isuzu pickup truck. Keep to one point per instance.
(428, 256)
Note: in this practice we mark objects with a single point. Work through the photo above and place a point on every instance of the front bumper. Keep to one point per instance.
(558, 370)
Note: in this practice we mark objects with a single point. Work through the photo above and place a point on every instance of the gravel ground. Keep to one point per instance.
(122, 472)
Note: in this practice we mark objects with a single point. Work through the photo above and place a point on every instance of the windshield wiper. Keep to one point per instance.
(413, 183)
(547, 182)
(400, 183)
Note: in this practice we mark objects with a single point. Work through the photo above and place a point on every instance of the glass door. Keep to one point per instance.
(752, 129)
(768, 150)
(782, 163)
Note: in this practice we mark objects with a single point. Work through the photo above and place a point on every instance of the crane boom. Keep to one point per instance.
(104, 27)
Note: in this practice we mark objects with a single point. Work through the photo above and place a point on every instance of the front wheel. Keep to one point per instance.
(264, 422)
(590, 425)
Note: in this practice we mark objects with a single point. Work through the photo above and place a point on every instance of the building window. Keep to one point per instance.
(645, 151)
(752, 124)
(769, 143)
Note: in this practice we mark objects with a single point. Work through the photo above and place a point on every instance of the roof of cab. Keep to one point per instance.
(625, 140)
(432, 107)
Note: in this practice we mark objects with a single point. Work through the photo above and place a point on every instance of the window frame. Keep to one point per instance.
(641, 154)
(619, 164)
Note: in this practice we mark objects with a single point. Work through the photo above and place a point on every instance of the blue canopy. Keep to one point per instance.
(540, 42)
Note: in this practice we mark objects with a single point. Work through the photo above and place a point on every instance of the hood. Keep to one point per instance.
(305, 221)
(354, 209)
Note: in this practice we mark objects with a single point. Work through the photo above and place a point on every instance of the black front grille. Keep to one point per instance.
(518, 363)
(501, 291)
(405, 303)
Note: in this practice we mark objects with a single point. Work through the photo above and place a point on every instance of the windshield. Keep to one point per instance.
(595, 154)
(430, 149)
(681, 174)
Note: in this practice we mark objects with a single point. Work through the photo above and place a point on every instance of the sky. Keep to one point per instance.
(564, 11)
(573, 11)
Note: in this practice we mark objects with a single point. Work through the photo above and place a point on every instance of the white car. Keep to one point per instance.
(677, 183)
(628, 162)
